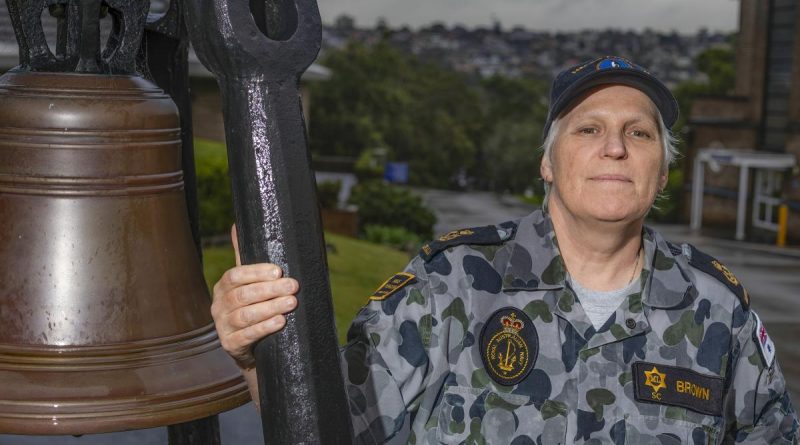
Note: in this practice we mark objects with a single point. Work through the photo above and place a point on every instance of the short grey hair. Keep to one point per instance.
(668, 142)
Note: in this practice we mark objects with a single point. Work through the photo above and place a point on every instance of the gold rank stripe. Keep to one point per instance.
(391, 286)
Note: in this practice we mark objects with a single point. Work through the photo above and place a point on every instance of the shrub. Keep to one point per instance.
(369, 165)
(215, 202)
(328, 194)
(382, 204)
(394, 237)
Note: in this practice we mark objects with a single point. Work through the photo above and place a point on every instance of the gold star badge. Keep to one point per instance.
(655, 379)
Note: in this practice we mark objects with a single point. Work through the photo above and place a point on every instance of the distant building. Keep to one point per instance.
(762, 113)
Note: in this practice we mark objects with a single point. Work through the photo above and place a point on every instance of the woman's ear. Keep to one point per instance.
(662, 181)
(546, 170)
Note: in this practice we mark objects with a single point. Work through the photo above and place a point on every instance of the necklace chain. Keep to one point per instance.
(635, 265)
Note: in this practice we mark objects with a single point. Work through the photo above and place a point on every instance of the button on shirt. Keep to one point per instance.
(488, 345)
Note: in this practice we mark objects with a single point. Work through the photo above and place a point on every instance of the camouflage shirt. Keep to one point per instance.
(481, 340)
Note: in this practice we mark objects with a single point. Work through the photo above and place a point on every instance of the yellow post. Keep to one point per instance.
(783, 221)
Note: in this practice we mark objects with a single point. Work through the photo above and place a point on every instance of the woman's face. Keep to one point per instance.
(607, 160)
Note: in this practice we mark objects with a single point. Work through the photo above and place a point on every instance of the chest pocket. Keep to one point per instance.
(662, 430)
(481, 415)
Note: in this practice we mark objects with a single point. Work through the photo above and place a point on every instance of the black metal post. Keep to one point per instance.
(303, 399)
(164, 59)
(198, 432)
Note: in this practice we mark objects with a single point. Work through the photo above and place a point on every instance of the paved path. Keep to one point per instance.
(456, 210)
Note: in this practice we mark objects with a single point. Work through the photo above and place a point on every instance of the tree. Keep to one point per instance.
(380, 97)
(515, 111)
(512, 157)
(717, 64)
(440, 122)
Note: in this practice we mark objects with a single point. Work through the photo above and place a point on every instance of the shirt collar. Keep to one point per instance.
(666, 283)
(535, 263)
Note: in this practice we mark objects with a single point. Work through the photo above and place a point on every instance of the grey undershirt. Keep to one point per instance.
(599, 305)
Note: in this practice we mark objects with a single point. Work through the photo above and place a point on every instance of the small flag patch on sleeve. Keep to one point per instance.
(392, 285)
(765, 345)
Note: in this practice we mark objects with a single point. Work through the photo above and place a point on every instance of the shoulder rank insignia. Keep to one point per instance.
(486, 235)
(711, 266)
(392, 285)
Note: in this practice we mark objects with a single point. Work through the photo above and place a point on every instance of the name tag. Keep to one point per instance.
(671, 385)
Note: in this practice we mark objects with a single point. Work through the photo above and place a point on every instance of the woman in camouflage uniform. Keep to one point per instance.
(575, 324)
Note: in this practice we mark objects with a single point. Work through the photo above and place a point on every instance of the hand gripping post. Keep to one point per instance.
(303, 399)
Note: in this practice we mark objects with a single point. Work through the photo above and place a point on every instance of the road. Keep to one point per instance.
(455, 210)
(772, 276)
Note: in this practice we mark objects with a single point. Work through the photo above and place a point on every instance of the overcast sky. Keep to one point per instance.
(682, 15)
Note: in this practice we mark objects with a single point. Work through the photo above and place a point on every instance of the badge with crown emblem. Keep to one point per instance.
(509, 346)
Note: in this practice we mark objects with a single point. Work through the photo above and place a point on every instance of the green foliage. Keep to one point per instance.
(380, 97)
(535, 199)
(328, 194)
(216, 260)
(515, 111)
(215, 202)
(356, 269)
(512, 158)
(392, 236)
(718, 66)
(383, 204)
(445, 126)
(369, 165)
(520, 99)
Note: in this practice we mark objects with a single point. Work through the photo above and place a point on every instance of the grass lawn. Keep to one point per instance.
(357, 268)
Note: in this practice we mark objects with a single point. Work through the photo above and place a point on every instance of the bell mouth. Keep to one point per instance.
(88, 390)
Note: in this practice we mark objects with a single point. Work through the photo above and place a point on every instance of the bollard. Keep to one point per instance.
(783, 222)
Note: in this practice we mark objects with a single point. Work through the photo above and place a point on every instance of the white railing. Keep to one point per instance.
(768, 167)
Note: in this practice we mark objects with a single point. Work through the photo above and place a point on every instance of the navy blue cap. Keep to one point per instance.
(571, 83)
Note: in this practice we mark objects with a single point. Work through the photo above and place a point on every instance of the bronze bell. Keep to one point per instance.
(104, 313)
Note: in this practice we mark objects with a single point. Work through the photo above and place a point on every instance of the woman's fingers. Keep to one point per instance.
(254, 314)
(249, 303)
(239, 343)
(243, 275)
(257, 292)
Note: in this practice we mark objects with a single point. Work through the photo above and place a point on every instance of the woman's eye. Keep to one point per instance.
(641, 134)
(588, 130)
